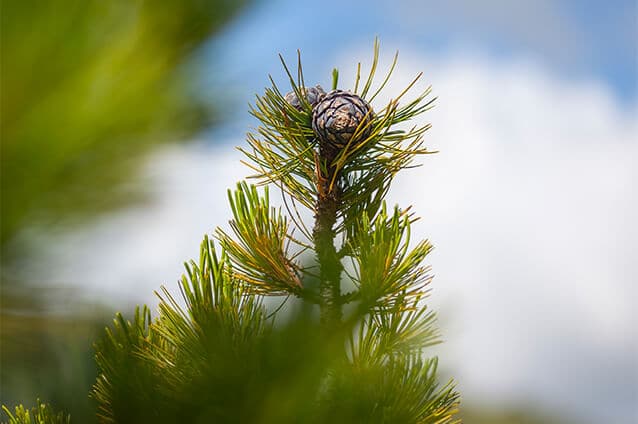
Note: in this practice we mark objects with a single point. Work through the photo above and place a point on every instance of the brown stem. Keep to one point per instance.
(328, 202)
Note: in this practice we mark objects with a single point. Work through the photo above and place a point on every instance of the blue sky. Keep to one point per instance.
(575, 39)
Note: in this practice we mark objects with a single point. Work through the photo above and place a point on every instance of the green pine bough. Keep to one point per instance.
(281, 321)
(39, 414)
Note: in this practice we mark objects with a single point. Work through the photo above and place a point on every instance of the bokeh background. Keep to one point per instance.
(119, 126)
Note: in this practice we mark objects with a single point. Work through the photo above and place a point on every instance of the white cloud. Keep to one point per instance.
(125, 257)
(530, 204)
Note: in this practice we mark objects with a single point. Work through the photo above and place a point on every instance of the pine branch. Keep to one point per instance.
(39, 414)
(387, 270)
(218, 355)
(260, 254)
(327, 207)
(402, 390)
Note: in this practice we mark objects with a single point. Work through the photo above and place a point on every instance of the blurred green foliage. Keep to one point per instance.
(88, 86)
(47, 353)
(39, 414)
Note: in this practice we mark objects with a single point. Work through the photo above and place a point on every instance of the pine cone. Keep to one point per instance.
(337, 116)
(313, 96)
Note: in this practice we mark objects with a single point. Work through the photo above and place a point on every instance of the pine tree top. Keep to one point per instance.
(352, 344)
